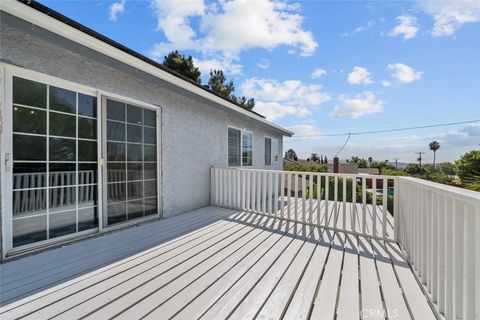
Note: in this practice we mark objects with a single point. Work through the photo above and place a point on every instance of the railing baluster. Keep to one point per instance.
(344, 203)
(269, 192)
(296, 196)
(319, 198)
(364, 205)
(310, 197)
(354, 204)
(282, 193)
(327, 195)
(289, 195)
(259, 191)
(374, 206)
(276, 176)
(304, 194)
(254, 191)
(248, 190)
(385, 207)
(335, 202)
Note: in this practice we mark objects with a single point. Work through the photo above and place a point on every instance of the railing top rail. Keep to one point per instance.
(347, 175)
(468, 195)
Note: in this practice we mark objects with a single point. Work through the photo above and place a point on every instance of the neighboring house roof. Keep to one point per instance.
(301, 162)
(374, 171)
(291, 161)
(55, 22)
(350, 168)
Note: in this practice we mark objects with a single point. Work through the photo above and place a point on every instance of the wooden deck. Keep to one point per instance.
(215, 263)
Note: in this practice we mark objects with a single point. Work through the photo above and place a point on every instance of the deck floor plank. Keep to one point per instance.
(371, 299)
(395, 305)
(349, 300)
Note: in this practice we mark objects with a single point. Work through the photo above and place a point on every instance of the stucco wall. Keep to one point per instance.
(194, 131)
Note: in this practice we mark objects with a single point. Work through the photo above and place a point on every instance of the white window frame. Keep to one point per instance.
(7, 72)
(272, 153)
(241, 145)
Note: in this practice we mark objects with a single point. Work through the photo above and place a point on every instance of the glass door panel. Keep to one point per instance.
(131, 166)
(54, 162)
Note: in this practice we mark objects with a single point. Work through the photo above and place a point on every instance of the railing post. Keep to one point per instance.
(396, 209)
(477, 262)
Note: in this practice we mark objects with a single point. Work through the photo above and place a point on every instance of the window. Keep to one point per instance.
(268, 151)
(275, 153)
(271, 151)
(233, 147)
(240, 148)
(247, 149)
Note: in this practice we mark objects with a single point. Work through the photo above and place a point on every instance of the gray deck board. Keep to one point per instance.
(216, 263)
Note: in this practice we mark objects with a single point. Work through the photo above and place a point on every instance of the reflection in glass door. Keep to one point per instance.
(54, 150)
(131, 166)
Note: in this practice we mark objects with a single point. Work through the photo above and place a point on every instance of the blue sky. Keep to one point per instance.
(322, 67)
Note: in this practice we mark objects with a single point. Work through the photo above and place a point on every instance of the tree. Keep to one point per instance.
(447, 168)
(321, 159)
(370, 160)
(434, 146)
(413, 168)
(361, 162)
(314, 158)
(183, 65)
(468, 167)
(290, 154)
(219, 84)
(326, 160)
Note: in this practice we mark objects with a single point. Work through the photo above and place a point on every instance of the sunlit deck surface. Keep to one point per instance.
(215, 263)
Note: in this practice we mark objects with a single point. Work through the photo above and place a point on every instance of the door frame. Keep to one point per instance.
(7, 72)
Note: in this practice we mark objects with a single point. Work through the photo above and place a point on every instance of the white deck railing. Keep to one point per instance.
(439, 228)
(357, 204)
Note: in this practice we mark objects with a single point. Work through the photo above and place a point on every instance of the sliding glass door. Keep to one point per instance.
(131, 166)
(73, 165)
(54, 151)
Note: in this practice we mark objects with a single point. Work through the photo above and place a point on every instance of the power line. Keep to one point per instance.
(348, 138)
(385, 130)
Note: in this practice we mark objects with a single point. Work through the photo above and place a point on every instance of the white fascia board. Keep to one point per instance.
(42, 20)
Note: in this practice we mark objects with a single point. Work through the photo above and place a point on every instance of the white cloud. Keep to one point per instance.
(359, 75)
(386, 83)
(359, 29)
(228, 27)
(305, 131)
(225, 64)
(278, 99)
(274, 110)
(288, 91)
(404, 73)
(115, 9)
(449, 16)
(263, 64)
(318, 73)
(357, 106)
(408, 27)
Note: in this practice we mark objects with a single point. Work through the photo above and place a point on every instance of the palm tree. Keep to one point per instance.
(434, 146)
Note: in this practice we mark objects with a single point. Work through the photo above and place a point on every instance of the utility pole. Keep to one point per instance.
(396, 159)
(420, 157)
